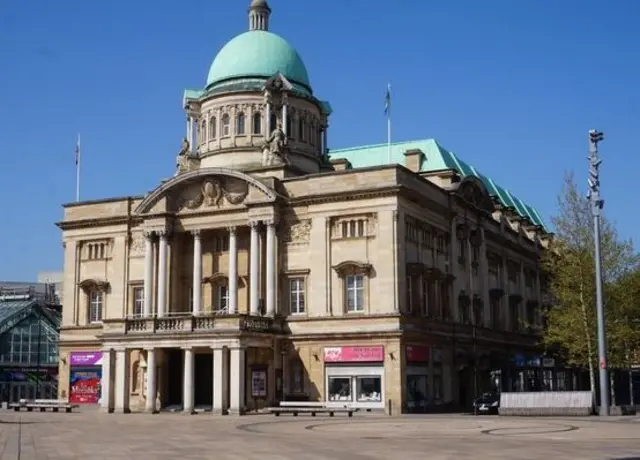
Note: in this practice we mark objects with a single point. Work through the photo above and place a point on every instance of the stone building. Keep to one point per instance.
(269, 267)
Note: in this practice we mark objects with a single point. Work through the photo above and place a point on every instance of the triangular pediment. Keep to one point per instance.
(206, 189)
(278, 83)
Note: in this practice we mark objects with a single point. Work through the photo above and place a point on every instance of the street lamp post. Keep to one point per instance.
(597, 204)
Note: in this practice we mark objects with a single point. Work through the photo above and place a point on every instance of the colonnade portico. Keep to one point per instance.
(161, 237)
(228, 392)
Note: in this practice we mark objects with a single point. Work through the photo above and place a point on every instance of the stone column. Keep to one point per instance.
(197, 273)
(150, 405)
(106, 401)
(233, 271)
(325, 147)
(284, 119)
(188, 385)
(162, 274)
(122, 382)
(220, 380)
(484, 281)
(506, 303)
(238, 381)
(454, 268)
(267, 122)
(271, 268)
(254, 263)
(148, 274)
(523, 296)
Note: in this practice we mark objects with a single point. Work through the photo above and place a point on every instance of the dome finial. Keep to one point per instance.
(259, 13)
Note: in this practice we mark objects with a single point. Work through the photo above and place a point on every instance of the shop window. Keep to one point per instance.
(296, 296)
(416, 392)
(369, 389)
(355, 293)
(257, 123)
(226, 122)
(222, 297)
(240, 118)
(138, 301)
(95, 306)
(340, 389)
(213, 127)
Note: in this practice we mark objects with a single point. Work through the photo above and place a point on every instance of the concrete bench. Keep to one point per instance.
(43, 405)
(312, 408)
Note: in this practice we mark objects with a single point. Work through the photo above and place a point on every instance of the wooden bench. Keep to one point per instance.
(313, 408)
(42, 405)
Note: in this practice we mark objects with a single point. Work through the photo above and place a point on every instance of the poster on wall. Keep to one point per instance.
(85, 385)
(259, 384)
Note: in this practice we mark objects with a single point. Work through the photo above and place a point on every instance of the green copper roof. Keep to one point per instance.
(258, 53)
(436, 158)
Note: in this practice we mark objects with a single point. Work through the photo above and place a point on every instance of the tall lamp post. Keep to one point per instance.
(597, 204)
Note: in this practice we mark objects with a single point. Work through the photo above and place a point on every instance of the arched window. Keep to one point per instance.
(289, 127)
(302, 129)
(312, 132)
(257, 123)
(203, 131)
(226, 131)
(273, 124)
(212, 127)
(240, 124)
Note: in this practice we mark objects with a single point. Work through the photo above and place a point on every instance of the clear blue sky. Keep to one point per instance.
(510, 86)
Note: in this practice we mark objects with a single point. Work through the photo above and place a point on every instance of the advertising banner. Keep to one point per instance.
(85, 386)
(86, 358)
(354, 354)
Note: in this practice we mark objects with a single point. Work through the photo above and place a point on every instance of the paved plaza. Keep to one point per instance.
(94, 435)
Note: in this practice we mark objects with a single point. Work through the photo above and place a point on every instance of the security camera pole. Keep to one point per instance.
(596, 207)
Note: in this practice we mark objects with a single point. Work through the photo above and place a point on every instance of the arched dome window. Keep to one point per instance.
(257, 123)
(302, 129)
(213, 122)
(240, 124)
(226, 130)
(203, 131)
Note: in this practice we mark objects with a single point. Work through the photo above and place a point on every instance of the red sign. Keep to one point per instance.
(417, 353)
(354, 354)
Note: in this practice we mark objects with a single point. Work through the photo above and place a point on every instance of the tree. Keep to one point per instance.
(570, 264)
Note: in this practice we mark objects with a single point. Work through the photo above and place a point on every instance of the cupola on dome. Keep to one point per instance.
(258, 53)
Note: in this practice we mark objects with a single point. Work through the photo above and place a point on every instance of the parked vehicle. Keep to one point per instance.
(487, 403)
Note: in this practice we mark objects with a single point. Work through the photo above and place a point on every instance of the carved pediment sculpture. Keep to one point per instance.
(212, 192)
(476, 195)
(296, 232)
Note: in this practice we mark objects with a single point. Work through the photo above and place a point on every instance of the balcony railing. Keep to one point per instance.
(177, 323)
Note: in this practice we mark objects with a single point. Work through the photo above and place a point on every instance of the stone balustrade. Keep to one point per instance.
(187, 323)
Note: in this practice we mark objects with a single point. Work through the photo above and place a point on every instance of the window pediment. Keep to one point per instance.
(352, 267)
(474, 192)
(91, 285)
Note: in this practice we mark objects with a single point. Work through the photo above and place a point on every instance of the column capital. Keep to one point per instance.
(148, 234)
(253, 223)
(271, 222)
(231, 229)
(196, 233)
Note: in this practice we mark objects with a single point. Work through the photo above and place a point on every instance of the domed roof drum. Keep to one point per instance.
(258, 53)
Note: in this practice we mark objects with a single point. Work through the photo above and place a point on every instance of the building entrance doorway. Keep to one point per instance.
(203, 379)
(175, 372)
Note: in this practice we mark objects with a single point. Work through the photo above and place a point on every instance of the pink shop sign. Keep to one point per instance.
(370, 354)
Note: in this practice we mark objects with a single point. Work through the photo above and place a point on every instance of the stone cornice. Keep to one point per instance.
(344, 195)
(97, 222)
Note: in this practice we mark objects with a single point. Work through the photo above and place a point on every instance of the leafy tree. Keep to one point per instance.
(571, 321)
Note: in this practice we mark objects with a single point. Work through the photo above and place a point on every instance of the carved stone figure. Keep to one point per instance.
(274, 146)
(213, 194)
(184, 161)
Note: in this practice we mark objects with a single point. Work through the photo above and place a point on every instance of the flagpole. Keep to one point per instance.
(389, 124)
(78, 169)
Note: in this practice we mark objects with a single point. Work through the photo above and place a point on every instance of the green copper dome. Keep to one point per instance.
(258, 53)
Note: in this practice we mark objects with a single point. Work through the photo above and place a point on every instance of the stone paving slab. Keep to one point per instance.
(50, 436)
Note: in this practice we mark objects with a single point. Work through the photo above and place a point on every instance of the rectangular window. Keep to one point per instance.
(297, 376)
(339, 389)
(355, 293)
(369, 389)
(223, 298)
(296, 296)
(138, 301)
(222, 243)
(95, 307)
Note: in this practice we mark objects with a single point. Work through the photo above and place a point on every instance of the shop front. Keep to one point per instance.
(423, 377)
(355, 376)
(85, 377)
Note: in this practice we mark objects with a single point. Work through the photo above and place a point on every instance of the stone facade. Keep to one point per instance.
(255, 281)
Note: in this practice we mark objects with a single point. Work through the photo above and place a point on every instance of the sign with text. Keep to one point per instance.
(417, 353)
(365, 354)
(85, 386)
(85, 358)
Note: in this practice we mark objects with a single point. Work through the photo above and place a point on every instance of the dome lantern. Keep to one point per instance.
(259, 13)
